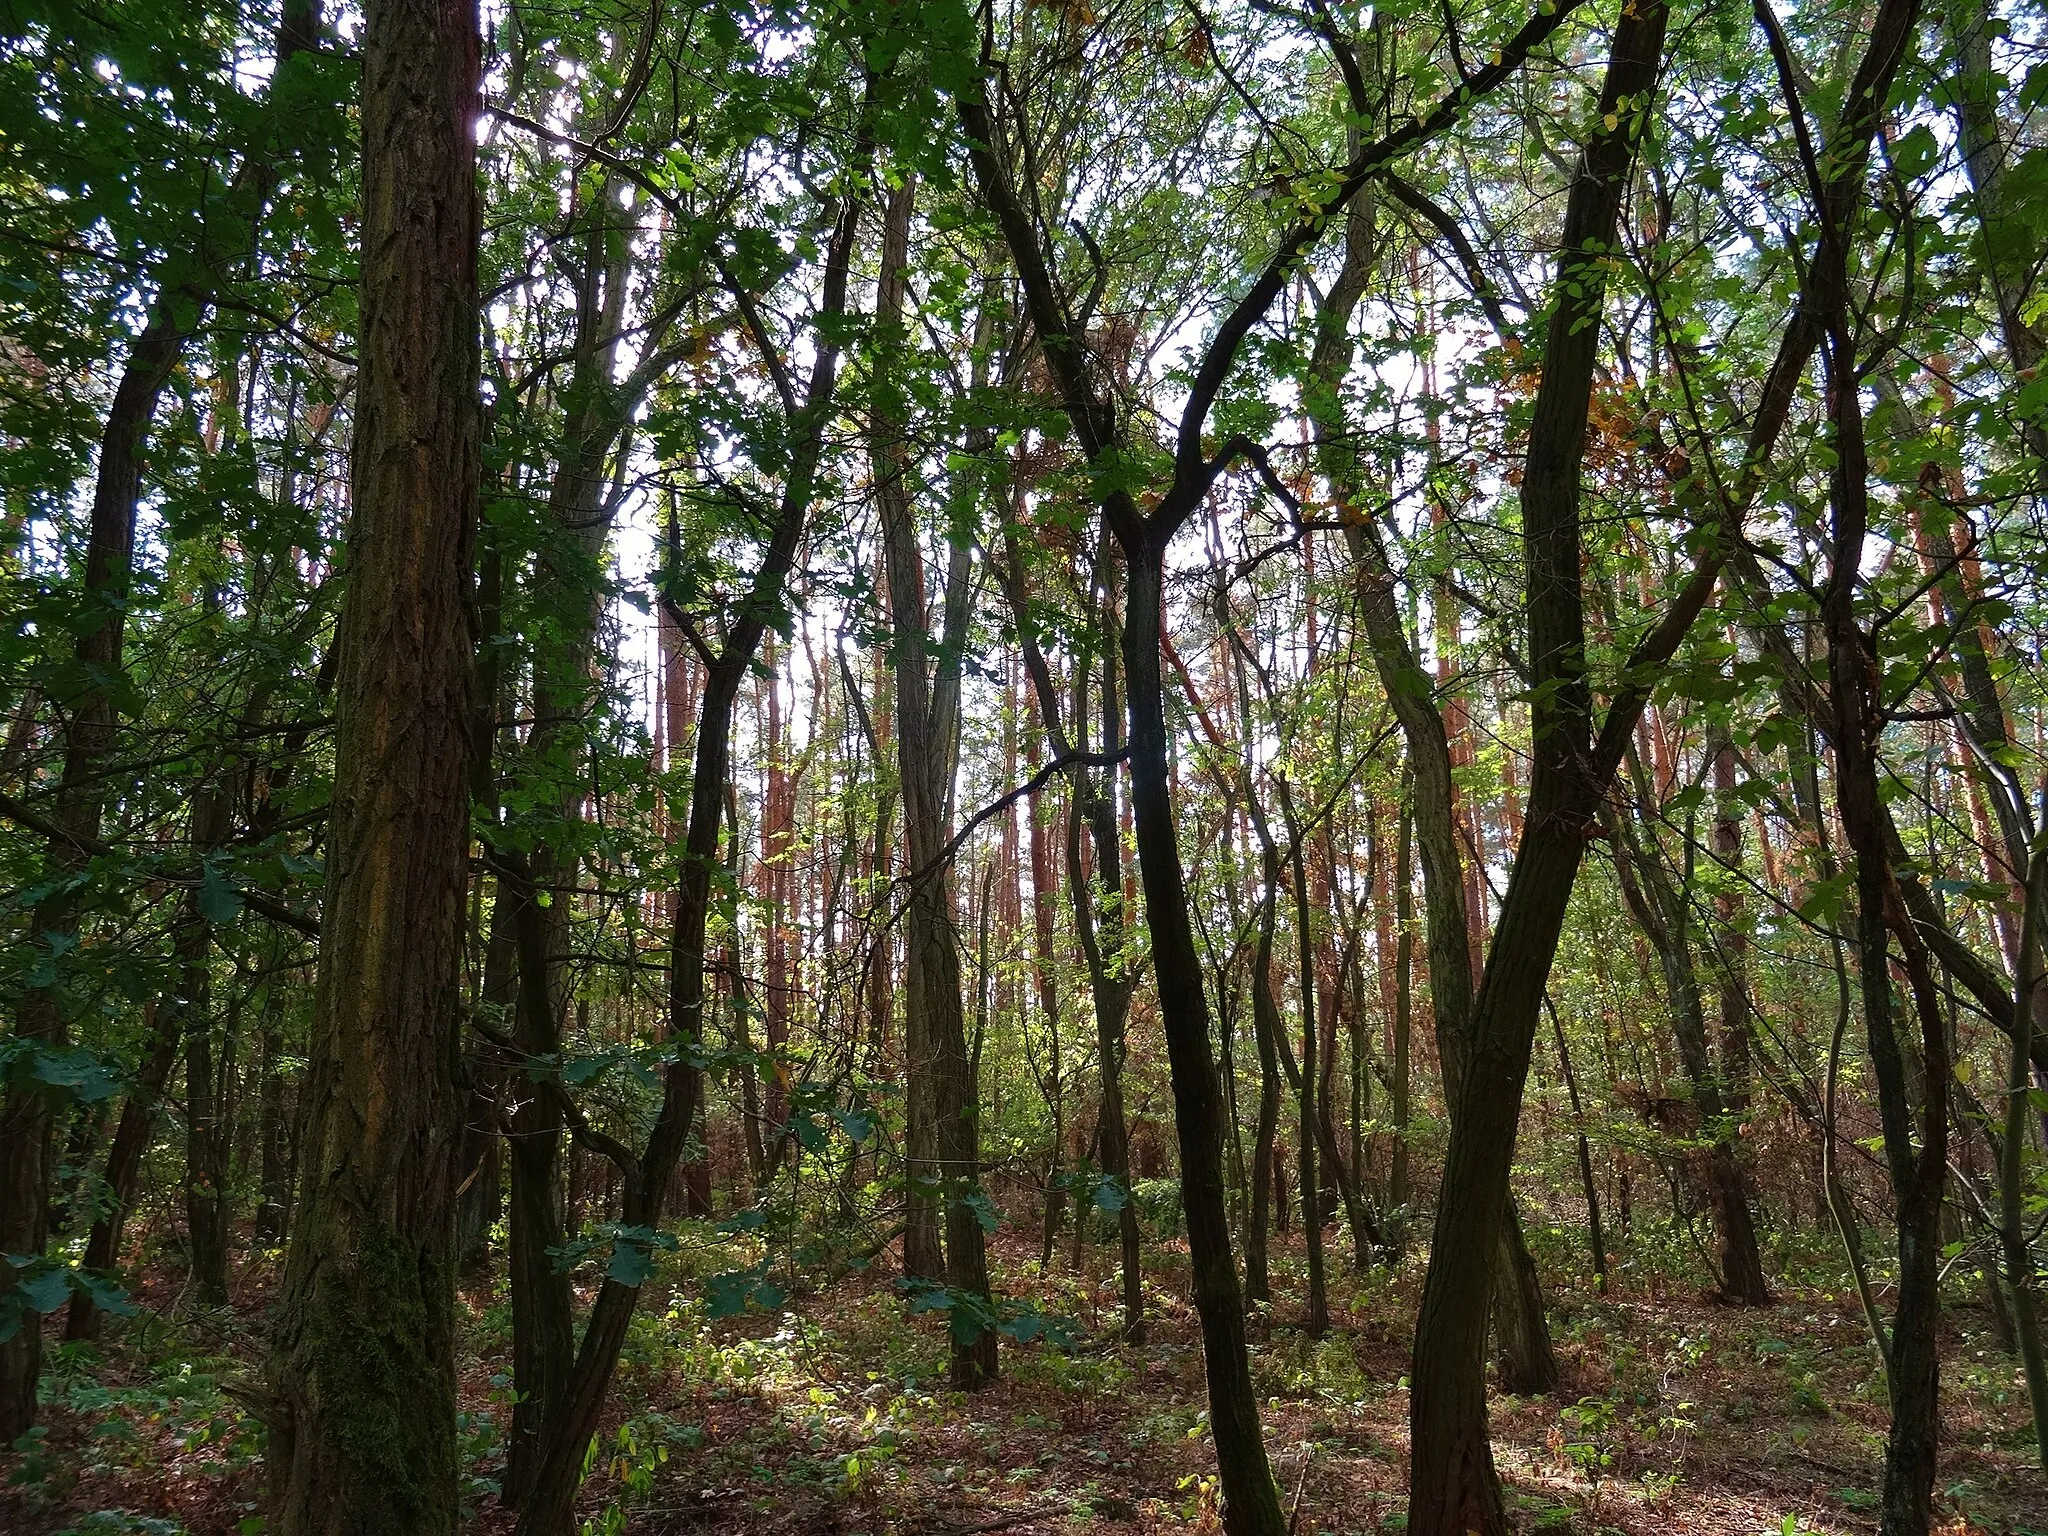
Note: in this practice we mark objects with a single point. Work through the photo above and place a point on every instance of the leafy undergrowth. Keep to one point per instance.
(834, 1415)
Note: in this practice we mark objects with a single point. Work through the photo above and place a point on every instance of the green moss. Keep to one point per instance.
(375, 1353)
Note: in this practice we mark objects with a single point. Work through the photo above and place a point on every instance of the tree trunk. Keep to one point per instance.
(27, 1119)
(132, 1134)
(1309, 1127)
(206, 1141)
(1596, 1240)
(1662, 910)
(273, 1135)
(1527, 1363)
(927, 758)
(1452, 1486)
(1251, 1501)
(1404, 993)
(363, 1418)
(88, 734)
(645, 1178)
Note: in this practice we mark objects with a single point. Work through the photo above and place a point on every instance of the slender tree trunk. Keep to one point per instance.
(1266, 1028)
(2020, 1272)
(1404, 993)
(1452, 1486)
(1251, 1501)
(1595, 1239)
(1661, 909)
(206, 1141)
(543, 1324)
(1311, 1194)
(1455, 927)
(27, 1117)
(645, 1178)
(132, 1134)
(363, 1417)
(927, 758)
(273, 1135)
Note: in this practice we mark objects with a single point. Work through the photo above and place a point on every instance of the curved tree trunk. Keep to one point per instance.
(1452, 1486)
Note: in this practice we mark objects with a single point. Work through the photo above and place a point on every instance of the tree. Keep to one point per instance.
(363, 1415)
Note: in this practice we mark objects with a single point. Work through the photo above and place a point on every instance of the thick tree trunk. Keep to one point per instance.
(363, 1416)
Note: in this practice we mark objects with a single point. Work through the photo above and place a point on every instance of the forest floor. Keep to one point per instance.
(1674, 1416)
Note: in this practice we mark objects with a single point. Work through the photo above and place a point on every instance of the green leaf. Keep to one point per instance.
(631, 1264)
(77, 1071)
(219, 901)
(48, 1290)
(985, 1212)
(1915, 152)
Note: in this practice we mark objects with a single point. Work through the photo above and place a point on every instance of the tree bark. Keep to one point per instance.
(363, 1408)
(1251, 1501)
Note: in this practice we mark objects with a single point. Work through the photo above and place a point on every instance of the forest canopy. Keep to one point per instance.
(1236, 765)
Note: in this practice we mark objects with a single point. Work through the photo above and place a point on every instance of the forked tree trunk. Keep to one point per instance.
(644, 1179)
(362, 1428)
(1528, 1365)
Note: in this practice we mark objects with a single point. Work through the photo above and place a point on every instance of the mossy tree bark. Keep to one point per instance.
(363, 1414)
